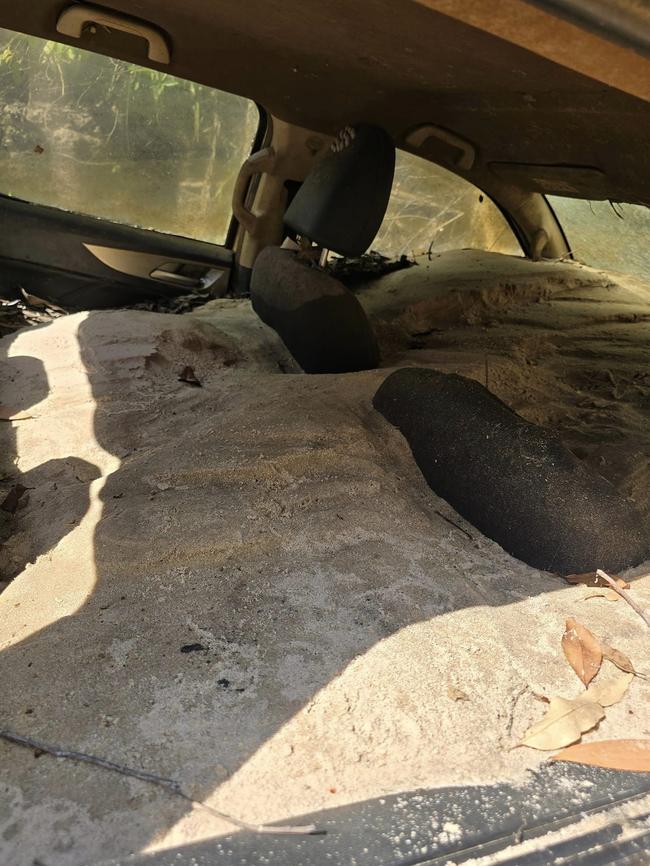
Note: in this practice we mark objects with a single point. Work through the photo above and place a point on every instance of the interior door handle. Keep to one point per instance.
(177, 279)
(206, 281)
(157, 267)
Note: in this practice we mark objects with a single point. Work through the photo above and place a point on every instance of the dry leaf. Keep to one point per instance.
(41, 303)
(456, 694)
(631, 755)
(582, 650)
(609, 691)
(617, 658)
(564, 723)
(624, 595)
(189, 377)
(7, 414)
(623, 584)
(609, 594)
(590, 578)
(34, 300)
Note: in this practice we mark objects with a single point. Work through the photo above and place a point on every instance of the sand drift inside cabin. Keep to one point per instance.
(280, 527)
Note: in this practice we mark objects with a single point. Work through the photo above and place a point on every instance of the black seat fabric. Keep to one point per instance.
(342, 202)
(515, 481)
(321, 323)
(340, 206)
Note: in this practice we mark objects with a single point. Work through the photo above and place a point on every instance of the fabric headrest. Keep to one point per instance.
(343, 200)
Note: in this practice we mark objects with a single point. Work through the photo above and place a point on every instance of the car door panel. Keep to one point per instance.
(81, 262)
(115, 179)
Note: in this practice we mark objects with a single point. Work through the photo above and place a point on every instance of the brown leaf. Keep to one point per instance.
(564, 723)
(189, 377)
(456, 694)
(625, 596)
(608, 691)
(590, 578)
(623, 584)
(631, 755)
(34, 300)
(609, 594)
(617, 658)
(582, 650)
(39, 149)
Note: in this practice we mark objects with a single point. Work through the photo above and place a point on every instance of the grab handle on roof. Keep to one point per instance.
(72, 21)
(466, 152)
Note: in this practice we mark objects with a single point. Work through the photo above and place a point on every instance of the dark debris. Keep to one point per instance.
(192, 648)
(354, 271)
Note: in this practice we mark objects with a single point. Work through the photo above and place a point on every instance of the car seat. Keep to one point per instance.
(340, 207)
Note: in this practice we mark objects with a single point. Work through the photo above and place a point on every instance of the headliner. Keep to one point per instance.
(323, 63)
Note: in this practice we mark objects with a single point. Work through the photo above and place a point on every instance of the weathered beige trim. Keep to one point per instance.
(296, 151)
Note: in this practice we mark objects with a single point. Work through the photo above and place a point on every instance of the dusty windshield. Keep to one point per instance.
(103, 137)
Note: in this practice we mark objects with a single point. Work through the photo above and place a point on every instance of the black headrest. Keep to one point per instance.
(343, 200)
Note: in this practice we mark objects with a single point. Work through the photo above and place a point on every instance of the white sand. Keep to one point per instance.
(281, 523)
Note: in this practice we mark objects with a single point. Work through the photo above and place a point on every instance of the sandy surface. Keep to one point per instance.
(279, 522)
(566, 346)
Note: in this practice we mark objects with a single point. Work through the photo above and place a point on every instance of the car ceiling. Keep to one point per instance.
(522, 86)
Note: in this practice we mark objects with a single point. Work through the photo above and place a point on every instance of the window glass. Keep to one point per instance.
(611, 236)
(432, 209)
(99, 136)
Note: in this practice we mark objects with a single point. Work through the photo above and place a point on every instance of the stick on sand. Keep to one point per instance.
(170, 785)
(623, 594)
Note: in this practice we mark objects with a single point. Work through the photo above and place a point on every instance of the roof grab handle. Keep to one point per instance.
(74, 19)
(466, 151)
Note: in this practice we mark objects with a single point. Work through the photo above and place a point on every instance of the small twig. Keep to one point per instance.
(454, 524)
(514, 700)
(623, 594)
(170, 785)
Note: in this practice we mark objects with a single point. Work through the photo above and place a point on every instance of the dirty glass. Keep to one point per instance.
(99, 136)
(433, 210)
(606, 235)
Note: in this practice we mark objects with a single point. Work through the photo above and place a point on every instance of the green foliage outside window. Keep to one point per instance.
(91, 134)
